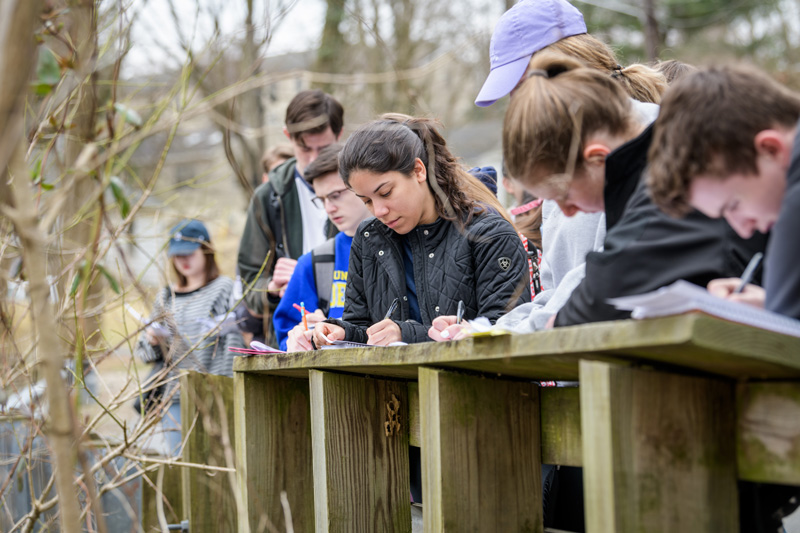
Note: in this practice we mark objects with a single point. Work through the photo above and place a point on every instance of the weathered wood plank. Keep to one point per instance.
(561, 426)
(692, 341)
(658, 451)
(360, 453)
(414, 435)
(208, 497)
(481, 468)
(273, 448)
(768, 432)
(172, 494)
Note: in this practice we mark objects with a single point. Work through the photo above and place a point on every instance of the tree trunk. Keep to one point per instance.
(651, 35)
(18, 18)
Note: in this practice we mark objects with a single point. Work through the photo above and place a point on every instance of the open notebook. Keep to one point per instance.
(682, 297)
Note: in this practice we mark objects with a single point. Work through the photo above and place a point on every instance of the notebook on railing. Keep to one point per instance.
(256, 348)
(682, 297)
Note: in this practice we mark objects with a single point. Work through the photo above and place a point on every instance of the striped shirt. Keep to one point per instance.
(190, 345)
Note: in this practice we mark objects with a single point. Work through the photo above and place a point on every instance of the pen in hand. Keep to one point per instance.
(303, 312)
(392, 308)
(460, 311)
(747, 275)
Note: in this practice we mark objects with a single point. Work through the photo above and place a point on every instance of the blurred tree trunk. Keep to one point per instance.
(333, 45)
(251, 109)
(83, 214)
(18, 19)
(651, 34)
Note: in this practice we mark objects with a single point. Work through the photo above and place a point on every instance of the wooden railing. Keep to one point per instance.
(669, 414)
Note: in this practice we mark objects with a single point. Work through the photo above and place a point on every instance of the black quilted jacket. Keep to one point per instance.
(484, 265)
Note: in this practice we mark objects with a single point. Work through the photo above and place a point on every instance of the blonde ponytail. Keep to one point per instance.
(556, 107)
(641, 82)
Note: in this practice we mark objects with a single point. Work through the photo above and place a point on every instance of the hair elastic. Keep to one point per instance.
(537, 72)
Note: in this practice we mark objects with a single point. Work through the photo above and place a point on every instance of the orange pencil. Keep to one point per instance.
(303, 312)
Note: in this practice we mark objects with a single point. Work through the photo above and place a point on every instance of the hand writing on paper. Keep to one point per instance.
(445, 328)
(299, 339)
(281, 275)
(324, 333)
(726, 287)
(384, 332)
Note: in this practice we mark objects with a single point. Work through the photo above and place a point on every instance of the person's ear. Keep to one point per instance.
(772, 144)
(420, 172)
(595, 154)
(286, 132)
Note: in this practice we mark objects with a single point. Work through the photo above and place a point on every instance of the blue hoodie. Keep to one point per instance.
(303, 288)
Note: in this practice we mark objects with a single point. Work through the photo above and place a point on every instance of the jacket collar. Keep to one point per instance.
(282, 176)
(624, 168)
(793, 174)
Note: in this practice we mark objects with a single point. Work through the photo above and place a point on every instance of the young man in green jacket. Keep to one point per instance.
(282, 221)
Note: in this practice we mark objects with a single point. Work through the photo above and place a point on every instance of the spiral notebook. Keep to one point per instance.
(682, 297)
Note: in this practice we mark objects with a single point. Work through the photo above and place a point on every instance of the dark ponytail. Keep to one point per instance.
(395, 141)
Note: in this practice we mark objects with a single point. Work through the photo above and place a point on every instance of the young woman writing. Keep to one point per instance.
(439, 237)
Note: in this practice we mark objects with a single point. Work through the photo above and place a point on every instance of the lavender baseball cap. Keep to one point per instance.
(524, 29)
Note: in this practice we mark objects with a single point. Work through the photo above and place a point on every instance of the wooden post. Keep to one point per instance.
(360, 448)
(561, 426)
(273, 448)
(481, 458)
(658, 451)
(768, 432)
(208, 499)
(171, 492)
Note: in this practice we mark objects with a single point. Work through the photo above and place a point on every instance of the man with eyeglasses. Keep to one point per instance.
(320, 277)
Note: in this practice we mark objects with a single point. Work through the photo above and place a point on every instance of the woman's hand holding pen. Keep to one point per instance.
(325, 332)
(384, 332)
(726, 288)
(447, 328)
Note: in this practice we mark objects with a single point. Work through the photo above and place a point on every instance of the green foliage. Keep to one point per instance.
(112, 281)
(131, 116)
(48, 72)
(118, 190)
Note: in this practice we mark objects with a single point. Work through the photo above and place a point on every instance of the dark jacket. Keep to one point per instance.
(646, 249)
(273, 224)
(781, 272)
(485, 266)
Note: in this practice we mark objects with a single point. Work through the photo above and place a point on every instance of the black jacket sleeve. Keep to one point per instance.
(501, 267)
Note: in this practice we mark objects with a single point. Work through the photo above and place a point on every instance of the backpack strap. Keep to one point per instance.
(323, 258)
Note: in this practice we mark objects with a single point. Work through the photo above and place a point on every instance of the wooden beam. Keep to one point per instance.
(208, 498)
(481, 467)
(360, 453)
(414, 435)
(693, 341)
(658, 451)
(768, 432)
(273, 448)
(561, 426)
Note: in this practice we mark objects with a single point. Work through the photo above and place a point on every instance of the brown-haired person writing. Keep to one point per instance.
(726, 144)
(283, 222)
(439, 236)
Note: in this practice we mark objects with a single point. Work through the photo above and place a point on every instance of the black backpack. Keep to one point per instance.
(323, 258)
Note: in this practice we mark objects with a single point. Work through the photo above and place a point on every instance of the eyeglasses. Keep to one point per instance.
(334, 197)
